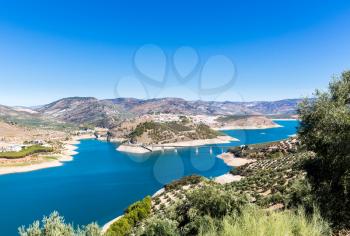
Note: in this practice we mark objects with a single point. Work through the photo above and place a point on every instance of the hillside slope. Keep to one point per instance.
(29, 118)
(84, 110)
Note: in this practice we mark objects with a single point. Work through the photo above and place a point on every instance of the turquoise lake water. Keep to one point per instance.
(101, 182)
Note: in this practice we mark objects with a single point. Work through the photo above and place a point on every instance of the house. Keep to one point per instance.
(10, 148)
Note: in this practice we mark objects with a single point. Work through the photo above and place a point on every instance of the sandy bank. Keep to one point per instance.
(109, 223)
(137, 149)
(227, 178)
(117, 140)
(285, 119)
(18, 169)
(159, 192)
(233, 127)
(132, 149)
(230, 160)
(58, 159)
(233, 161)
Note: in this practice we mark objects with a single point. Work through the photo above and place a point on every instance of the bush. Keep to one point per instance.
(300, 195)
(235, 171)
(254, 221)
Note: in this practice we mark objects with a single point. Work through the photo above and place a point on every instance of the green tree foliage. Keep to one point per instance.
(159, 226)
(325, 129)
(134, 214)
(120, 227)
(204, 204)
(300, 195)
(215, 210)
(187, 180)
(25, 152)
(55, 225)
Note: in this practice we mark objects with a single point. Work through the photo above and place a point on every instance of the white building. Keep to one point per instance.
(10, 148)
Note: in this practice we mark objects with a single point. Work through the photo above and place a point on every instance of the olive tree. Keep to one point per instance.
(325, 130)
(55, 225)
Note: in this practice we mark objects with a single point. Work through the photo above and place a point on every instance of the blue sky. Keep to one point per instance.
(278, 49)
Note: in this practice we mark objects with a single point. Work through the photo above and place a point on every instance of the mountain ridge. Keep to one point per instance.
(109, 112)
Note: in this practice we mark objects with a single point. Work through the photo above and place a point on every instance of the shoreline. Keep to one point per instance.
(137, 149)
(246, 127)
(282, 119)
(66, 155)
(229, 160)
(106, 226)
(232, 161)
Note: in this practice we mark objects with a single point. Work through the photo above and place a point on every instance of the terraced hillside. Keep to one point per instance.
(188, 205)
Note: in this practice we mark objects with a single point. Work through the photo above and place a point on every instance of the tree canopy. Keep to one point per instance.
(325, 130)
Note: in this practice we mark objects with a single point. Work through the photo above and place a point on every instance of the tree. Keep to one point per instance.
(158, 226)
(325, 130)
(55, 225)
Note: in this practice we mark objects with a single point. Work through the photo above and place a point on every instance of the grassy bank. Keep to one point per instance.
(25, 152)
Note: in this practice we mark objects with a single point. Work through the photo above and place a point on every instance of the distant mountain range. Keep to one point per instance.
(108, 112)
(178, 105)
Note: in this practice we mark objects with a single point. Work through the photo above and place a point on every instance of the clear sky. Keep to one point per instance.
(279, 49)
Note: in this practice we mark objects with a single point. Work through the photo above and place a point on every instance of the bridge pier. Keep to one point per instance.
(211, 150)
(197, 150)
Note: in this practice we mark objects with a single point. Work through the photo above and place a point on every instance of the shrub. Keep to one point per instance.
(254, 221)
(300, 195)
(235, 171)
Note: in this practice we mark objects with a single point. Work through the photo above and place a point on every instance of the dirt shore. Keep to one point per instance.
(57, 159)
(230, 160)
(229, 127)
(227, 178)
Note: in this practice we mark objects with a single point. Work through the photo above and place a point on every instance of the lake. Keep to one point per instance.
(101, 182)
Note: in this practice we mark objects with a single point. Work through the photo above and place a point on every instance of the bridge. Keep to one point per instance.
(160, 147)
